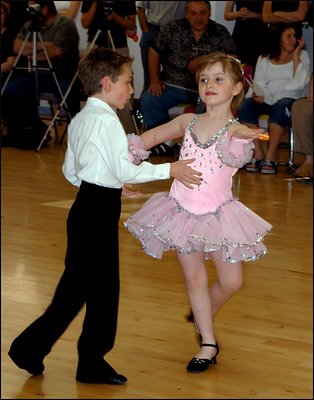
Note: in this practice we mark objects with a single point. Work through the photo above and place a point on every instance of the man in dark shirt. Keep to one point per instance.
(173, 57)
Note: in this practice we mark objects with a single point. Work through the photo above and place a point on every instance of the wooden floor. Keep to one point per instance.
(265, 332)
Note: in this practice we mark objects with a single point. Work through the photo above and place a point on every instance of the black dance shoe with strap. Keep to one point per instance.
(201, 364)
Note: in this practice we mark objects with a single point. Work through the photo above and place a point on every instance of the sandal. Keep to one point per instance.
(269, 167)
(162, 150)
(254, 165)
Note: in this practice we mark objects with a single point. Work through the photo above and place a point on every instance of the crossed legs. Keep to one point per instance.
(206, 302)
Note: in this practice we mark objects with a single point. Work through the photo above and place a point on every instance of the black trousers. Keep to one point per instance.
(90, 277)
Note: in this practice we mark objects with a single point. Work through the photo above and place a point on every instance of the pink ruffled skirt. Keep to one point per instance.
(162, 225)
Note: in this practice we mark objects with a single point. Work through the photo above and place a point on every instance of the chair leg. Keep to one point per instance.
(291, 165)
(52, 111)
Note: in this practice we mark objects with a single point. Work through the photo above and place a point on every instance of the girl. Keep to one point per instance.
(207, 222)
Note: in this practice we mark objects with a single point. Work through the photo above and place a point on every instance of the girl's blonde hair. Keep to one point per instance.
(229, 64)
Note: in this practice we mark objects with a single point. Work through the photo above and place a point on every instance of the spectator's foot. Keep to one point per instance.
(161, 150)
(101, 373)
(305, 170)
(164, 150)
(26, 138)
(254, 165)
(6, 141)
(269, 167)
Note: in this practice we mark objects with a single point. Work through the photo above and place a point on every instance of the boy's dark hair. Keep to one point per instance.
(97, 64)
(229, 64)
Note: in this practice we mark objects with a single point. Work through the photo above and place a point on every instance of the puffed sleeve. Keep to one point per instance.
(136, 150)
(234, 152)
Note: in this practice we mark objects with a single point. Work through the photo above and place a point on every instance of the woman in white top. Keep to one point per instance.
(281, 75)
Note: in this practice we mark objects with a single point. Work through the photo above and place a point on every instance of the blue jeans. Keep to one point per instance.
(145, 43)
(279, 113)
(155, 108)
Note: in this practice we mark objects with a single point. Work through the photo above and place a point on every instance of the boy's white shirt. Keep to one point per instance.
(97, 150)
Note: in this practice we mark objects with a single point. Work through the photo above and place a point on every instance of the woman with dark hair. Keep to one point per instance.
(281, 75)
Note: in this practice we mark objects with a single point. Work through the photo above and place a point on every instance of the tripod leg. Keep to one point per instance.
(65, 95)
(15, 63)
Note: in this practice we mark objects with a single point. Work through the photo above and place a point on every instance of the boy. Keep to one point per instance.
(97, 162)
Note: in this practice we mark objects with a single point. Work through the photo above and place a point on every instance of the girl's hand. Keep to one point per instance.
(243, 132)
(185, 174)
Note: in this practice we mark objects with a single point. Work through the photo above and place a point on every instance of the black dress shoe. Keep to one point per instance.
(201, 364)
(114, 379)
(98, 372)
(25, 359)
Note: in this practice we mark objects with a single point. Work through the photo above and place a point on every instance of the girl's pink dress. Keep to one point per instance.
(207, 218)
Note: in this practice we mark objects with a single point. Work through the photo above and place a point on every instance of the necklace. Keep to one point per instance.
(216, 135)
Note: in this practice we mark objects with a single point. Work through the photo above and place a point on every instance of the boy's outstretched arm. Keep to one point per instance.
(185, 174)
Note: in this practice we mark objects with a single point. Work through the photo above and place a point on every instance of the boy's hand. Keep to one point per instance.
(185, 174)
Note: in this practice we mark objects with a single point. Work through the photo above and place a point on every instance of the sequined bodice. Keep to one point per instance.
(216, 186)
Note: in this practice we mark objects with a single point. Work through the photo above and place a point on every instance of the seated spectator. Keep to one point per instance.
(173, 58)
(7, 54)
(152, 15)
(248, 30)
(302, 126)
(281, 75)
(291, 11)
(20, 97)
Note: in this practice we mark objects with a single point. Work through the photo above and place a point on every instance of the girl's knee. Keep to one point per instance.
(232, 285)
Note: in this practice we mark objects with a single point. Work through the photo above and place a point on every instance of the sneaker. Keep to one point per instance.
(254, 165)
(162, 150)
(269, 167)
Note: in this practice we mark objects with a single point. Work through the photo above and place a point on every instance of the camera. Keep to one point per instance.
(107, 6)
(34, 9)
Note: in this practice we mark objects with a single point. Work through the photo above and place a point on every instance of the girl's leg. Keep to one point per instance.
(230, 279)
(196, 282)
